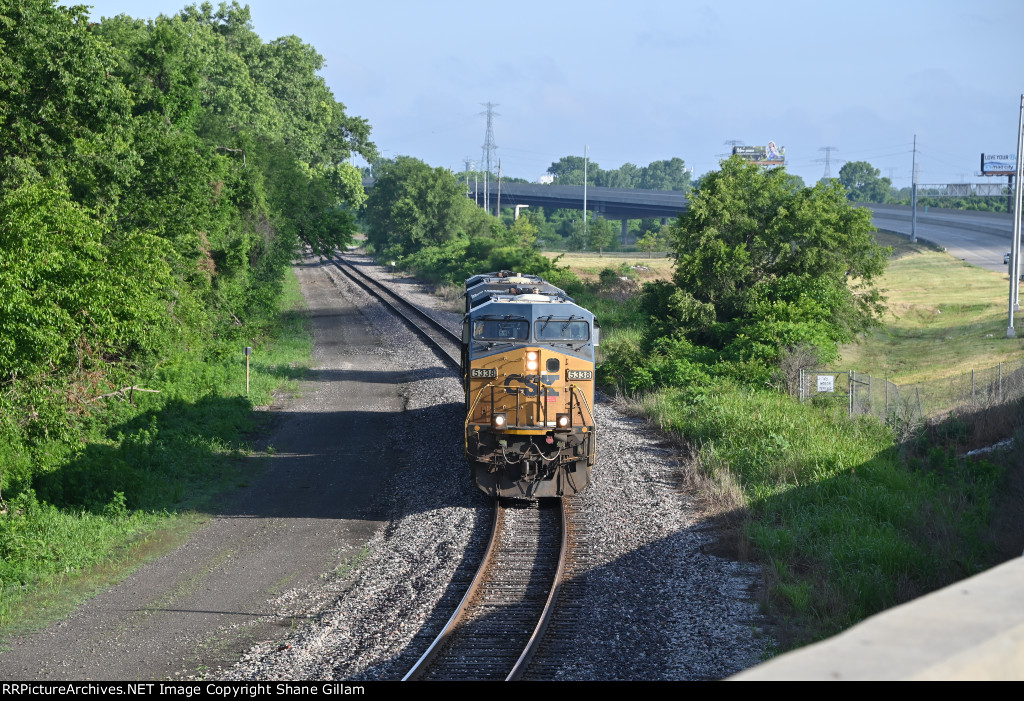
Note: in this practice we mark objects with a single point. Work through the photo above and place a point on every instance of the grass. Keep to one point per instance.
(842, 522)
(945, 318)
(134, 487)
(588, 265)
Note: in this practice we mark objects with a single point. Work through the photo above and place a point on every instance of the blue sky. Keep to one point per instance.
(643, 80)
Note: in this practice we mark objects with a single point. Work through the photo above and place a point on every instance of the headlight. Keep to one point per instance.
(531, 360)
(562, 421)
(498, 421)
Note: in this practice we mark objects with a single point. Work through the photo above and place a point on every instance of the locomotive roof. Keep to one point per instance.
(529, 306)
(504, 277)
(485, 291)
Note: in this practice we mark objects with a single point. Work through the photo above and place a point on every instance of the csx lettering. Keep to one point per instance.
(531, 384)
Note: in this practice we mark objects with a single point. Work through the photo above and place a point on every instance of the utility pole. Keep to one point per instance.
(497, 209)
(1015, 246)
(913, 195)
(489, 149)
(469, 166)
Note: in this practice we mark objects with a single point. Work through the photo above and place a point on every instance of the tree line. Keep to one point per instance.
(156, 179)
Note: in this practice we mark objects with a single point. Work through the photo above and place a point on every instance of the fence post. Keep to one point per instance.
(1000, 383)
(850, 377)
(800, 386)
(973, 399)
(886, 396)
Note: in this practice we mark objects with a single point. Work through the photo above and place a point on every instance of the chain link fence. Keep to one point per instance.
(913, 403)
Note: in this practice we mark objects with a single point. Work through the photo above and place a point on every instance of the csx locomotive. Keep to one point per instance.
(528, 373)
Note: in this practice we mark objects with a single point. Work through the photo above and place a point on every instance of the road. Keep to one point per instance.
(979, 238)
(223, 591)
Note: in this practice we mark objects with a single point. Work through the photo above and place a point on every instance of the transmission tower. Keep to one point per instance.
(489, 148)
(828, 161)
(732, 143)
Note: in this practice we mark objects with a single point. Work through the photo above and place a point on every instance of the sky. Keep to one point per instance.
(643, 80)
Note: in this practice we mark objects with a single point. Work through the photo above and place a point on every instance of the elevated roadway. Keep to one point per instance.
(609, 202)
(979, 238)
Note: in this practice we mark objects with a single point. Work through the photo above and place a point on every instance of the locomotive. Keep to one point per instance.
(528, 374)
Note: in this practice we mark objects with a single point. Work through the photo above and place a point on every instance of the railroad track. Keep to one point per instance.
(502, 618)
(501, 621)
(437, 335)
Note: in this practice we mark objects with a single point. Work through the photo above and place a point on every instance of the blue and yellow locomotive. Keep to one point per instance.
(528, 372)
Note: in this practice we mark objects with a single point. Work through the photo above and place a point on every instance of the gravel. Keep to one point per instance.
(654, 605)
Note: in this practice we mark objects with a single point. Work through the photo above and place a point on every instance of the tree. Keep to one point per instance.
(626, 176)
(862, 182)
(63, 113)
(764, 266)
(666, 175)
(600, 234)
(413, 205)
(648, 242)
(568, 170)
(523, 232)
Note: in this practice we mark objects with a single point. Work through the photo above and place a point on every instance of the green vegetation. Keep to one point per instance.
(670, 174)
(760, 268)
(420, 218)
(944, 317)
(157, 179)
(863, 182)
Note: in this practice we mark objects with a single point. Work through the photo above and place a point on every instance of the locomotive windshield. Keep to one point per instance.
(552, 329)
(501, 329)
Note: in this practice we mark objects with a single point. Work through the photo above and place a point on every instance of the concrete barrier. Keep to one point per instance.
(970, 631)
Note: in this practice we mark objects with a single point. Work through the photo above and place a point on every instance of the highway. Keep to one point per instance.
(979, 238)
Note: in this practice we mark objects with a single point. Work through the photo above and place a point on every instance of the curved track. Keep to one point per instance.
(500, 622)
(502, 618)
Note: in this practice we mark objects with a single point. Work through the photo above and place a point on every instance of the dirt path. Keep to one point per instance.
(199, 606)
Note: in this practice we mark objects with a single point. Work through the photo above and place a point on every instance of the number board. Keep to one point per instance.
(484, 372)
(579, 375)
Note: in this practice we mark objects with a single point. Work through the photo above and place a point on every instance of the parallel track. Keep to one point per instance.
(439, 337)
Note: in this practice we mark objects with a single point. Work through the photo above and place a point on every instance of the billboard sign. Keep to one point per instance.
(770, 155)
(998, 163)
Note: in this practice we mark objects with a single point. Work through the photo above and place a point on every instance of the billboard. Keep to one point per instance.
(770, 155)
(998, 163)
